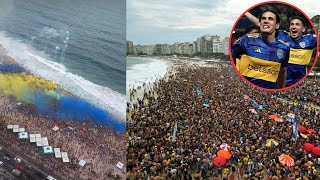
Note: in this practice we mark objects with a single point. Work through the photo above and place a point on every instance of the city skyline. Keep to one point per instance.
(184, 21)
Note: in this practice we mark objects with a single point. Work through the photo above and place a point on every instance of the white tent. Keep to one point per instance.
(55, 128)
(23, 135)
(47, 150)
(10, 126)
(45, 141)
(32, 137)
(57, 152)
(51, 178)
(15, 126)
(65, 157)
(39, 143)
(82, 162)
(119, 165)
(38, 140)
(22, 130)
(15, 130)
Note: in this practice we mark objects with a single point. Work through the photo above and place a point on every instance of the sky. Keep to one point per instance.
(160, 21)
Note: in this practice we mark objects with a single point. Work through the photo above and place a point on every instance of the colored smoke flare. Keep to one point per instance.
(50, 101)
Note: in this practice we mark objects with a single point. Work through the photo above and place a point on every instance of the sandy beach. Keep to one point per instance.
(101, 147)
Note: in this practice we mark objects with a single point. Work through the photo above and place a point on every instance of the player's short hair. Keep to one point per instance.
(298, 17)
(274, 12)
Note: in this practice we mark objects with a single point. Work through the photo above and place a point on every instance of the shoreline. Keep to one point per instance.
(101, 97)
(139, 92)
(85, 142)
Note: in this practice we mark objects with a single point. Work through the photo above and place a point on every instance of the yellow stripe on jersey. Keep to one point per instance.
(259, 68)
(238, 63)
(300, 56)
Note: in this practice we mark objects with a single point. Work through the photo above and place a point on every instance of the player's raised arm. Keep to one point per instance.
(252, 18)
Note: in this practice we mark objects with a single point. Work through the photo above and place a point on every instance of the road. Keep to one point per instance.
(31, 169)
(28, 171)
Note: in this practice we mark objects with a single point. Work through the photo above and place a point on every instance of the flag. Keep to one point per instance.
(174, 134)
(291, 117)
(295, 130)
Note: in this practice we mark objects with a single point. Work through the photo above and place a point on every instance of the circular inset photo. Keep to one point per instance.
(273, 46)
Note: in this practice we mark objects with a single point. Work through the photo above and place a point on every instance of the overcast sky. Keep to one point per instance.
(161, 21)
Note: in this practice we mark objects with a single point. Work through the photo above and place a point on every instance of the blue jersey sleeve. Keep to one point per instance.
(312, 39)
(238, 46)
(284, 36)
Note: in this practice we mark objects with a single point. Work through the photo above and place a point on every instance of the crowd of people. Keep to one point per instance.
(100, 146)
(209, 108)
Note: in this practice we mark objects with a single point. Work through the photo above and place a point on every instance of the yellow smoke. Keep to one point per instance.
(21, 86)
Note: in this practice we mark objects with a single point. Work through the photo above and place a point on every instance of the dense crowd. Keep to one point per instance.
(100, 146)
(154, 152)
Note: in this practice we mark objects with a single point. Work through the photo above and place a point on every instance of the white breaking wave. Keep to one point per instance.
(39, 64)
(152, 70)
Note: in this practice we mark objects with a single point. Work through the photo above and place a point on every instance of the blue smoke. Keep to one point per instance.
(11, 68)
(73, 108)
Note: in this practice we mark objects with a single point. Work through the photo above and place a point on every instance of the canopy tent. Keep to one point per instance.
(57, 152)
(119, 165)
(45, 141)
(15, 126)
(10, 126)
(64, 157)
(22, 130)
(15, 130)
(47, 150)
(55, 128)
(32, 137)
(82, 162)
(23, 135)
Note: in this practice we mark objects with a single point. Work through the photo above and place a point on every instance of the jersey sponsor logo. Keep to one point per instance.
(300, 56)
(259, 68)
(258, 50)
(280, 53)
(302, 44)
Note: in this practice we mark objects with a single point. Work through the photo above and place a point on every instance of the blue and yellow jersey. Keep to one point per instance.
(300, 55)
(260, 61)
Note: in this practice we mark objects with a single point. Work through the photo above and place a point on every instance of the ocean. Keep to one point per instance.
(79, 45)
(144, 70)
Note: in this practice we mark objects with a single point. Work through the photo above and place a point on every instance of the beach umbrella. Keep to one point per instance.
(205, 105)
(286, 160)
(225, 147)
(273, 117)
(279, 120)
(316, 151)
(271, 143)
(219, 161)
(311, 131)
(253, 111)
(303, 136)
(302, 129)
(308, 147)
(225, 154)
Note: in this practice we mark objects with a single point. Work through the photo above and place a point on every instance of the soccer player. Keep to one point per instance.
(301, 47)
(263, 58)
